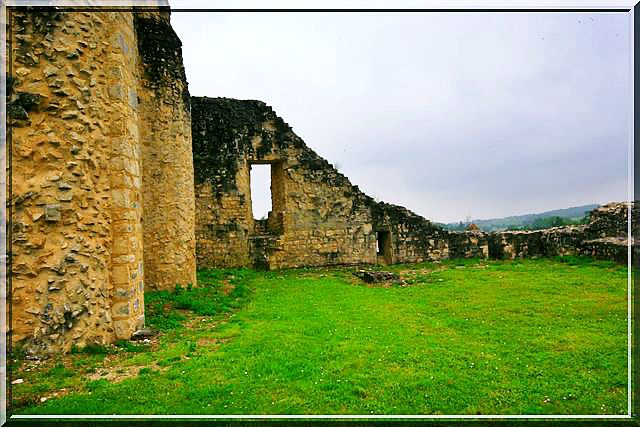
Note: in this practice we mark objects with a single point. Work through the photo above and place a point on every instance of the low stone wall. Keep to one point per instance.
(605, 236)
(468, 244)
(413, 238)
(613, 248)
(538, 243)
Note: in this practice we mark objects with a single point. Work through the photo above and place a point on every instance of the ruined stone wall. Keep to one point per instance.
(612, 220)
(318, 217)
(413, 238)
(167, 169)
(605, 236)
(557, 241)
(468, 244)
(77, 177)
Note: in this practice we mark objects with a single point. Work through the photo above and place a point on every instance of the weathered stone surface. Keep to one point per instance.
(612, 220)
(78, 133)
(52, 213)
(318, 216)
(468, 244)
(405, 237)
(163, 104)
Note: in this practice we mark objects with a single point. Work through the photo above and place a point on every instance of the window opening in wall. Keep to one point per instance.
(261, 203)
(267, 196)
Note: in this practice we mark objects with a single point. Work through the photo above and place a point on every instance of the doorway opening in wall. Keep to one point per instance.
(383, 246)
(267, 195)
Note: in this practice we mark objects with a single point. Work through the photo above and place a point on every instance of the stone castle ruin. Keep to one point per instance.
(120, 181)
(318, 216)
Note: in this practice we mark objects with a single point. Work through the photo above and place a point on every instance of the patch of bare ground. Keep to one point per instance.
(57, 393)
(422, 271)
(116, 373)
(227, 287)
(377, 279)
(205, 322)
(212, 342)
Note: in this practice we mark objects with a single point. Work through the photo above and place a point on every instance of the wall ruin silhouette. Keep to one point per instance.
(318, 216)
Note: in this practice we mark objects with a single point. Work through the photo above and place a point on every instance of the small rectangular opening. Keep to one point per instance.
(383, 246)
(261, 202)
(267, 196)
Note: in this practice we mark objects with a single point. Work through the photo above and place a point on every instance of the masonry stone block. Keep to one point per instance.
(120, 274)
(52, 213)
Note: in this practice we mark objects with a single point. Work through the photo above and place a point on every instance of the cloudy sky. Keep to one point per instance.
(449, 114)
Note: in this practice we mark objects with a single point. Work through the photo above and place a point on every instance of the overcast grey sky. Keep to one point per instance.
(447, 114)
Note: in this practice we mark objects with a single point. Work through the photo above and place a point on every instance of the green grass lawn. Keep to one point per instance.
(463, 337)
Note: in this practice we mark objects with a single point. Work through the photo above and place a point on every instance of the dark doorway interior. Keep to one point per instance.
(383, 245)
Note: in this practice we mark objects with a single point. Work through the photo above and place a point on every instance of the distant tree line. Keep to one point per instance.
(536, 224)
(550, 222)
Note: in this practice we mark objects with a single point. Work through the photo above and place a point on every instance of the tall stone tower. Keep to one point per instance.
(101, 173)
(167, 167)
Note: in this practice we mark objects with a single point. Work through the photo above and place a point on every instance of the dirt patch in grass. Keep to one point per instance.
(422, 271)
(206, 322)
(227, 287)
(116, 374)
(211, 342)
(207, 341)
(57, 393)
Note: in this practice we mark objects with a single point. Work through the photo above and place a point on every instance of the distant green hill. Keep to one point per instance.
(528, 221)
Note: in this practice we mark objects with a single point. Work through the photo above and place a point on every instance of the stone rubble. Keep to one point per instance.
(377, 276)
